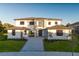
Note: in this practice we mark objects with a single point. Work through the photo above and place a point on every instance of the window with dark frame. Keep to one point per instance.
(59, 32)
(13, 32)
(31, 23)
(49, 23)
(56, 23)
(22, 23)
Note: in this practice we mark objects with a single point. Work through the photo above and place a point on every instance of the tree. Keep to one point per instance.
(7, 26)
(1, 27)
(68, 24)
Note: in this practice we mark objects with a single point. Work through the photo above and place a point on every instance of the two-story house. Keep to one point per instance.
(39, 27)
(75, 27)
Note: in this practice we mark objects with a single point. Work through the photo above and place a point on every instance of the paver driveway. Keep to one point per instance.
(33, 44)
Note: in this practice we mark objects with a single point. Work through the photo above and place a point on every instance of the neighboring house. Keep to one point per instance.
(75, 27)
(39, 27)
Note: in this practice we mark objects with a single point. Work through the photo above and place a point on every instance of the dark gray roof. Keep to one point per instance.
(76, 23)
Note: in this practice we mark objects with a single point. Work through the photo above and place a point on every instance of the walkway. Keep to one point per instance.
(33, 44)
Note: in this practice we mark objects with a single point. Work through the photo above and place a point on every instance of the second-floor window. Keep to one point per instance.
(49, 23)
(56, 23)
(31, 23)
(40, 24)
(22, 23)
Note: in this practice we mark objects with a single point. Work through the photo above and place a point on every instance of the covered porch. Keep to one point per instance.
(37, 33)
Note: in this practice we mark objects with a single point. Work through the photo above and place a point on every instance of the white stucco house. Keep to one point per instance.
(39, 27)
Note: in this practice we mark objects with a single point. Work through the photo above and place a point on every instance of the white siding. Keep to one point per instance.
(52, 23)
(26, 23)
(37, 23)
(17, 34)
(18, 23)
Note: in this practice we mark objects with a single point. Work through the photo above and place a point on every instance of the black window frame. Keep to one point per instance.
(49, 23)
(21, 22)
(59, 32)
(31, 23)
(13, 32)
(56, 23)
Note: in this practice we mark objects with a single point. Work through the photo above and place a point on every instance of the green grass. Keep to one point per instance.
(76, 42)
(56, 45)
(10, 45)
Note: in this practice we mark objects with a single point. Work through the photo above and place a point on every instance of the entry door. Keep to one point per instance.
(40, 32)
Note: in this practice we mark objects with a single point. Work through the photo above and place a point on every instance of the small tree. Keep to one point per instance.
(1, 28)
(68, 24)
(7, 26)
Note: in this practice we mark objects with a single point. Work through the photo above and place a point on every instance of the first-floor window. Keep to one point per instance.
(59, 32)
(13, 32)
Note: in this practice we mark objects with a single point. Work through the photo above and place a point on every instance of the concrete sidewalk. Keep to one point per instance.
(37, 53)
(33, 44)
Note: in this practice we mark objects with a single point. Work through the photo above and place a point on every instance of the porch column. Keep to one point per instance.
(28, 33)
(36, 33)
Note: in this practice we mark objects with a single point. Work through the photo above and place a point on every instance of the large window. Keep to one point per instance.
(59, 33)
(13, 32)
(31, 23)
(22, 23)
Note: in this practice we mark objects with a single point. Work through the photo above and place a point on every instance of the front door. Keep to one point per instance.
(40, 33)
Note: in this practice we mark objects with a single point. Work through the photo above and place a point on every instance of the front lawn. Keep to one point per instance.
(76, 42)
(10, 45)
(63, 45)
(57, 45)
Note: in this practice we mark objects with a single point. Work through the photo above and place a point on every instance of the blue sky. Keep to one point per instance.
(69, 13)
